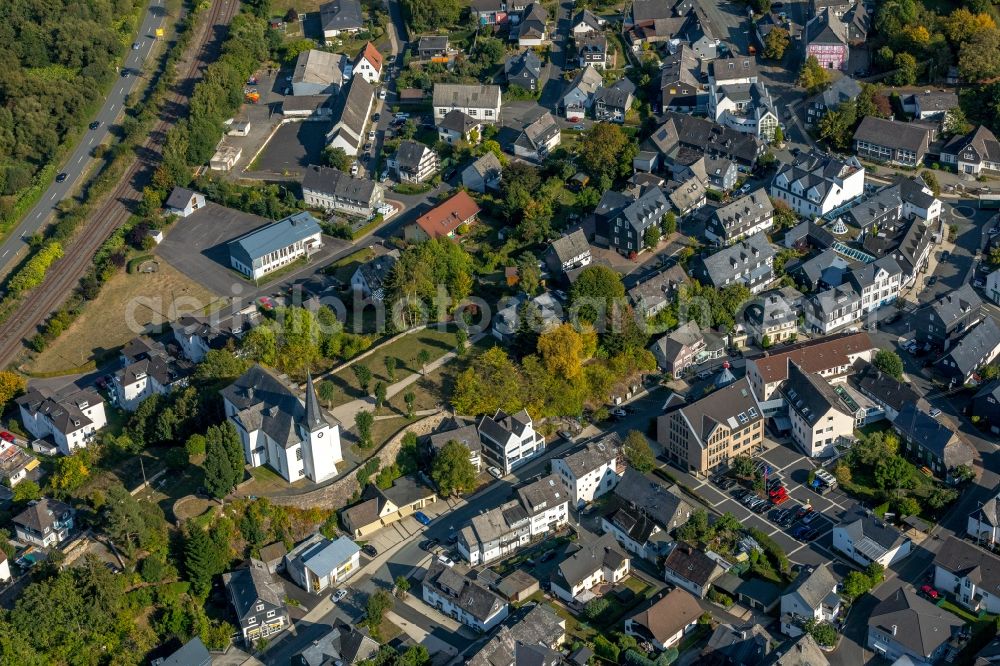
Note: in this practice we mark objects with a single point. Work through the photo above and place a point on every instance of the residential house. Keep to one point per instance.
(413, 162)
(652, 295)
(543, 312)
(865, 538)
(15, 463)
(891, 141)
(815, 183)
(535, 637)
(541, 507)
(482, 102)
(490, 12)
(370, 278)
(509, 440)
(811, 597)
(591, 562)
(749, 262)
(947, 319)
(192, 653)
(612, 103)
(580, 92)
(334, 190)
(984, 522)
(623, 217)
(451, 591)
(483, 174)
(538, 139)
(739, 101)
(773, 317)
(904, 624)
(586, 23)
(70, 420)
(368, 64)
(908, 243)
(293, 436)
(340, 16)
(318, 73)
(832, 309)
(445, 219)
(642, 513)
(743, 217)
(591, 470)
(568, 252)
(318, 564)
(691, 569)
(974, 152)
(930, 104)
(258, 601)
(141, 378)
(531, 31)
(523, 70)
(977, 348)
(680, 83)
(182, 202)
(730, 644)
(720, 173)
(986, 406)
(678, 350)
(667, 621)
(592, 51)
(970, 573)
(831, 357)
(350, 116)
(196, 335)
(344, 643)
(466, 435)
(688, 196)
(888, 393)
(380, 507)
(827, 41)
(458, 126)
(931, 443)
(709, 138)
(803, 652)
(45, 523)
(819, 418)
(704, 434)
(430, 47)
(842, 90)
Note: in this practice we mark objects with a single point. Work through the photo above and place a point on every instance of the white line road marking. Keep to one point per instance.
(5, 253)
(91, 140)
(53, 196)
(81, 159)
(112, 107)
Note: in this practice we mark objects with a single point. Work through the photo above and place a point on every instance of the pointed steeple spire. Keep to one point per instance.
(314, 415)
(725, 377)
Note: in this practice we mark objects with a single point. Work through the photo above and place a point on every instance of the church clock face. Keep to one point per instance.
(319, 434)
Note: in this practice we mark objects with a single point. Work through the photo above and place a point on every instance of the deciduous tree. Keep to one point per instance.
(363, 421)
(638, 453)
(813, 77)
(889, 362)
(775, 43)
(452, 470)
(11, 385)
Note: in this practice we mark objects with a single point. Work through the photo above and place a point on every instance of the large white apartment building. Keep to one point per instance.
(591, 470)
(479, 102)
(509, 441)
(816, 184)
(70, 420)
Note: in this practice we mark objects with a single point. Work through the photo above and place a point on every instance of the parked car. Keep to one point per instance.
(548, 556)
(566, 434)
(930, 592)
(94, 125)
(809, 517)
(422, 518)
(6, 436)
(803, 511)
(618, 412)
(369, 550)
(135, 46)
(61, 177)
(935, 412)
(429, 544)
(338, 595)
(495, 472)
(445, 560)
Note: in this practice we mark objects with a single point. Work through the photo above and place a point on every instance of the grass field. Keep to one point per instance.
(147, 299)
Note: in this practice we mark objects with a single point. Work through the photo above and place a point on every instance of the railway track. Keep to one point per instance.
(65, 274)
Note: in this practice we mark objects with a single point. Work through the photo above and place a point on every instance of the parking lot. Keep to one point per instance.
(792, 468)
(293, 147)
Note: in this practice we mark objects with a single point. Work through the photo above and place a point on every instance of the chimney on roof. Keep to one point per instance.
(894, 628)
(250, 392)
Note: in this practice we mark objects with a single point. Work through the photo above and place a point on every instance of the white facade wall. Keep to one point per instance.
(445, 605)
(843, 542)
(590, 486)
(966, 592)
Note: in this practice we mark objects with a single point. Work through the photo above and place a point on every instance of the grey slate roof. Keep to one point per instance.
(981, 139)
(377, 271)
(258, 243)
(692, 564)
(65, 410)
(804, 652)
(526, 61)
(533, 21)
(921, 627)
(488, 166)
(42, 515)
(588, 18)
(458, 122)
(546, 492)
(341, 15)
(928, 433)
(571, 245)
(814, 584)
(810, 395)
(652, 499)
(732, 216)
(816, 173)
(723, 406)
(336, 183)
(728, 644)
(589, 554)
(727, 262)
(772, 308)
(652, 292)
(466, 435)
(967, 560)
(680, 67)
(432, 43)
(650, 10)
(473, 598)
(618, 95)
(192, 653)
(351, 108)
(251, 584)
(732, 68)
(955, 304)
(409, 153)
(539, 629)
(863, 527)
(843, 89)
(882, 387)
(538, 133)
(591, 455)
(179, 198)
(978, 343)
(827, 28)
(463, 95)
(891, 133)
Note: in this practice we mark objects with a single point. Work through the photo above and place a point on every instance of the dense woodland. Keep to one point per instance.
(57, 58)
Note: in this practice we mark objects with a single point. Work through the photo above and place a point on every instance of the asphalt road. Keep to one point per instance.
(76, 166)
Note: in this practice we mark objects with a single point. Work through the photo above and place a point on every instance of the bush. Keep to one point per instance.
(595, 608)
(133, 264)
(606, 649)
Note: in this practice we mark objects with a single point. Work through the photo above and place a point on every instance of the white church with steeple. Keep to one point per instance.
(292, 436)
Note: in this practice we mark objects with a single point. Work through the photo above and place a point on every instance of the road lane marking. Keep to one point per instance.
(53, 196)
(5, 253)
(112, 107)
(91, 140)
(81, 159)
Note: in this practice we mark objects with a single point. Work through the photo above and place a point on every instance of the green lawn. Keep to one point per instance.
(405, 350)
(343, 269)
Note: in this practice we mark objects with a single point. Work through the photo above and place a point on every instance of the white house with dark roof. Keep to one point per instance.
(568, 252)
(268, 248)
(45, 523)
(591, 561)
(318, 563)
(774, 315)
(509, 440)
(459, 126)
(258, 601)
(815, 183)
(481, 102)
(535, 638)
(340, 16)
(531, 31)
(749, 262)
(70, 420)
(413, 162)
(692, 569)
(984, 522)
(592, 470)
(350, 116)
(538, 138)
(183, 202)
(891, 141)
(523, 70)
(370, 278)
(483, 174)
(904, 624)
(813, 596)
(623, 217)
(866, 538)
(580, 92)
(453, 592)
(613, 102)
(743, 217)
(977, 348)
(969, 573)
(642, 514)
(467, 435)
(819, 418)
(144, 378)
(293, 436)
(334, 190)
(974, 152)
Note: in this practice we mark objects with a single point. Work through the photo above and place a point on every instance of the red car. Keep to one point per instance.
(6, 436)
(930, 592)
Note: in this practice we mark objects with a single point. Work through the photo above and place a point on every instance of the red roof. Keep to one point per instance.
(371, 54)
(443, 220)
